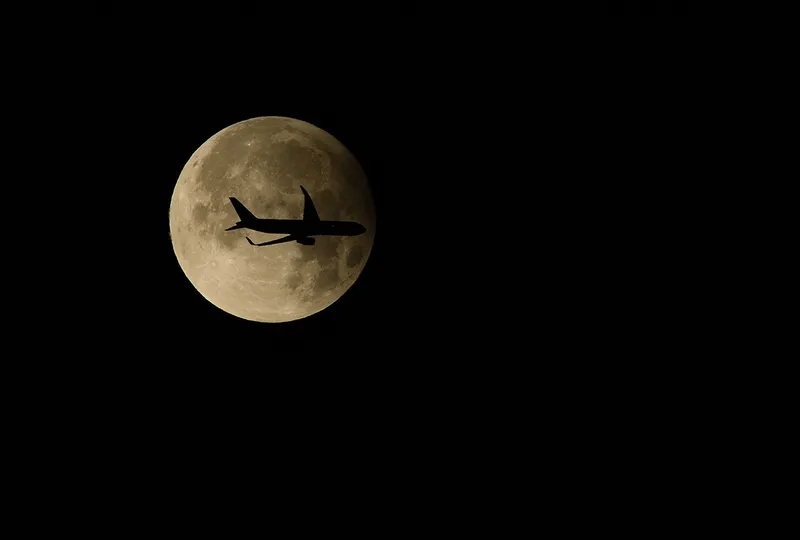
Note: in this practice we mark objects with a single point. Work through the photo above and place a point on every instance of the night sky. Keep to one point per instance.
(535, 302)
(646, 8)
(483, 159)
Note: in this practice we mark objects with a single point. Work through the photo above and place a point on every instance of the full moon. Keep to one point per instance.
(263, 162)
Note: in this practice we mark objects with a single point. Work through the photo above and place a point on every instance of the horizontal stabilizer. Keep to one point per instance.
(237, 226)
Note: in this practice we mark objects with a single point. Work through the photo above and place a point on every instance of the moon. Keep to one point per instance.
(262, 162)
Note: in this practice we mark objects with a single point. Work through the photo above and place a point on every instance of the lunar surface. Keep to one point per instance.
(262, 162)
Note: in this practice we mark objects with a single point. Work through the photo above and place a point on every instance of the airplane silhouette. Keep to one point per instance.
(299, 230)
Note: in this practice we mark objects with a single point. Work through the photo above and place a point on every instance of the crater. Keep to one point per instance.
(297, 161)
(327, 205)
(294, 281)
(327, 248)
(226, 239)
(354, 256)
(200, 213)
(326, 280)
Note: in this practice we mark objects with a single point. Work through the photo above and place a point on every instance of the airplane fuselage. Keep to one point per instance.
(300, 231)
(304, 228)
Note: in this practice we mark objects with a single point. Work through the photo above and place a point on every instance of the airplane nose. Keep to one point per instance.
(360, 229)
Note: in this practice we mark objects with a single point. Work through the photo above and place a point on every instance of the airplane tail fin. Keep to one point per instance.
(244, 214)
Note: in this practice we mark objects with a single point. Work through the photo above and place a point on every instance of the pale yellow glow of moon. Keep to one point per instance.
(262, 162)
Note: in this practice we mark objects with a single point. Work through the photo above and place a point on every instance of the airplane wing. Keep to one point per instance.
(309, 212)
(289, 238)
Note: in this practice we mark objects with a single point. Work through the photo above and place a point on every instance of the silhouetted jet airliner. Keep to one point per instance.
(299, 230)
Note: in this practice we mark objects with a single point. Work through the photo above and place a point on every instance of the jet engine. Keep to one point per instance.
(307, 241)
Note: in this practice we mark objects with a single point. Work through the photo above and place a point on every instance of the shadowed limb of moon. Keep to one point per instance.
(262, 162)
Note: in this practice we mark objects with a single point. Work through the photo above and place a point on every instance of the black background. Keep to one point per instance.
(502, 154)
(646, 8)
(529, 307)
